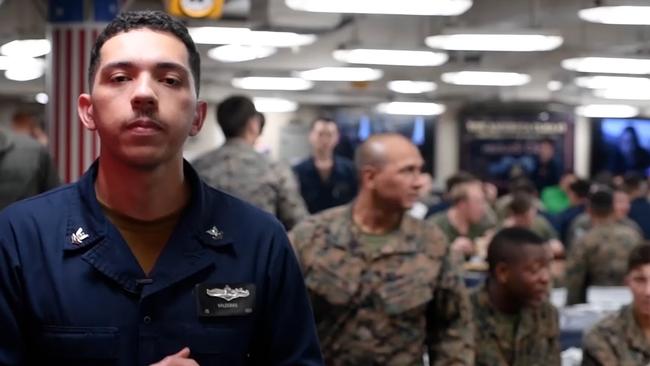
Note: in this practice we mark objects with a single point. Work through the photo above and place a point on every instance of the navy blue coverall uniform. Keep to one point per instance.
(227, 285)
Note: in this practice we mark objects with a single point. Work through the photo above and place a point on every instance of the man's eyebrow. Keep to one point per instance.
(166, 65)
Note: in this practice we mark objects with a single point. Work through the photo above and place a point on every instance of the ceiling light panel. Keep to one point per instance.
(612, 82)
(341, 74)
(390, 57)
(607, 110)
(272, 83)
(623, 94)
(485, 78)
(411, 108)
(402, 7)
(627, 15)
(274, 105)
(248, 37)
(495, 42)
(411, 87)
(608, 65)
(26, 48)
(237, 53)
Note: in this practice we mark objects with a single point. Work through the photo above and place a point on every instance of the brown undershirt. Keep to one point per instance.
(146, 239)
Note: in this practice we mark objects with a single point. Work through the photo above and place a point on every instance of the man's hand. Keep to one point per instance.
(182, 358)
(463, 245)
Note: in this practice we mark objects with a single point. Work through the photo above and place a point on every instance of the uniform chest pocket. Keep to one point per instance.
(404, 294)
(337, 281)
(210, 345)
(83, 345)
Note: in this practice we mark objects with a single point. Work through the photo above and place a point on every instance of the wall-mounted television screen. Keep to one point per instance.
(620, 145)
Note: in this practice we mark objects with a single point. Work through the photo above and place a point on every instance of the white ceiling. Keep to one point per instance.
(26, 18)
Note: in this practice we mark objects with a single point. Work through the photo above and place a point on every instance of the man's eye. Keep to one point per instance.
(171, 81)
(119, 78)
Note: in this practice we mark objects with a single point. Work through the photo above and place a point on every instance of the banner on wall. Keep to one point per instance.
(501, 142)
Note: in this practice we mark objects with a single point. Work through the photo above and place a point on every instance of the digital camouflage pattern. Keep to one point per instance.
(599, 258)
(384, 306)
(616, 340)
(441, 220)
(238, 169)
(582, 224)
(535, 341)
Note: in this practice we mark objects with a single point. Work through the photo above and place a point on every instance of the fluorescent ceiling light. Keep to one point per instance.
(390, 57)
(237, 53)
(607, 110)
(23, 69)
(341, 74)
(554, 85)
(628, 94)
(274, 105)
(608, 65)
(42, 98)
(404, 7)
(487, 78)
(612, 82)
(633, 15)
(411, 108)
(411, 87)
(248, 37)
(26, 48)
(271, 83)
(495, 42)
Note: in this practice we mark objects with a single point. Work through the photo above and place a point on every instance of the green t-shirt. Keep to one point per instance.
(554, 199)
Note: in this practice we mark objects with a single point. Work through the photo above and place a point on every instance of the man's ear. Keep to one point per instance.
(502, 273)
(369, 176)
(86, 112)
(199, 117)
(254, 126)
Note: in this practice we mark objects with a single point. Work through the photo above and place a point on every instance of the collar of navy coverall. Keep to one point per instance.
(87, 215)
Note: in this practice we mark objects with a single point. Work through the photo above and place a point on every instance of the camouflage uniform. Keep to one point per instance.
(238, 169)
(616, 340)
(534, 342)
(475, 231)
(599, 258)
(387, 305)
(582, 224)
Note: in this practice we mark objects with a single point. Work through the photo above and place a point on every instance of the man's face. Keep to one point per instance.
(143, 103)
(398, 181)
(528, 279)
(473, 206)
(621, 204)
(324, 136)
(638, 280)
(546, 151)
(526, 219)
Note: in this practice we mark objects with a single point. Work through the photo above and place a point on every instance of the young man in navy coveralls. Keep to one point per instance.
(83, 281)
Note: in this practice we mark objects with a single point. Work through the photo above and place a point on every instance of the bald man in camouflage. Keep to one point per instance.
(384, 288)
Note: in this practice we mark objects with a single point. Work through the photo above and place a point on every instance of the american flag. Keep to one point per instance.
(72, 36)
(74, 148)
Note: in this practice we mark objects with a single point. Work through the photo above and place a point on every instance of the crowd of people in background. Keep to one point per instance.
(386, 282)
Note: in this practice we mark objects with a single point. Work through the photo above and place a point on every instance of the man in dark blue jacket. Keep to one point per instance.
(326, 179)
(140, 262)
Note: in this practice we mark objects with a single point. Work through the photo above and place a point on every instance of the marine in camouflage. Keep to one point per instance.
(384, 305)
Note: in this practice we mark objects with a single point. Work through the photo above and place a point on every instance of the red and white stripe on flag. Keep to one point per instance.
(73, 147)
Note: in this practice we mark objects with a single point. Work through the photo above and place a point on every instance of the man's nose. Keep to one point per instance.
(144, 96)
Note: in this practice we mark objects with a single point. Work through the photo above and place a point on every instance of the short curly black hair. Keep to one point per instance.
(150, 19)
(640, 256)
